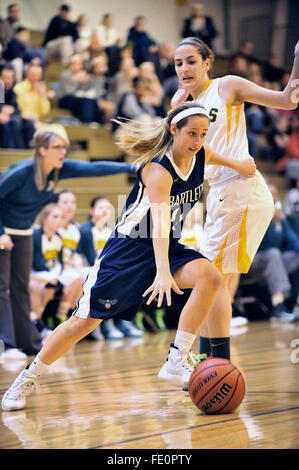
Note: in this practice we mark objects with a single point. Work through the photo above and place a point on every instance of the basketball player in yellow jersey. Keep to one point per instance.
(239, 210)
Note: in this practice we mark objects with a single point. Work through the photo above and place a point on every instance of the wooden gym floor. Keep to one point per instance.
(106, 395)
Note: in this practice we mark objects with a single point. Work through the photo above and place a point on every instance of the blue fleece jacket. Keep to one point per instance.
(280, 235)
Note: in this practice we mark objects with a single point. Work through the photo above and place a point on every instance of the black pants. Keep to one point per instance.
(16, 328)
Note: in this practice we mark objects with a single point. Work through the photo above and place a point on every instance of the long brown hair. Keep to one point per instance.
(202, 48)
(148, 142)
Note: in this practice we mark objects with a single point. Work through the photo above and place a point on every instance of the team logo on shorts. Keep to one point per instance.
(108, 303)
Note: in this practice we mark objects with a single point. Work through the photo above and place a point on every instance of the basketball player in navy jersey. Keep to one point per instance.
(143, 256)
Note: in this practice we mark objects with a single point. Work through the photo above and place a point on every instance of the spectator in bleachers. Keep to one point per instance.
(9, 26)
(69, 230)
(138, 105)
(78, 95)
(291, 207)
(109, 39)
(15, 130)
(123, 79)
(199, 25)
(149, 78)
(48, 274)
(102, 86)
(32, 95)
(144, 47)
(94, 234)
(15, 52)
(238, 66)
(278, 137)
(84, 34)
(61, 35)
(291, 201)
(94, 50)
(25, 188)
(244, 53)
(165, 69)
(107, 33)
(277, 262)
(289, 163)
(272, 72)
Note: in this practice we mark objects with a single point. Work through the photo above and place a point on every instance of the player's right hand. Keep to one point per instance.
(6, 242)
(179, 97)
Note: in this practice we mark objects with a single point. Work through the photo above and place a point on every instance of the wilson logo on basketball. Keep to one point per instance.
(204, 382)
(218, 397)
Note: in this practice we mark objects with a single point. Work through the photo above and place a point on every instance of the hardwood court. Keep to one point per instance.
(106, 395)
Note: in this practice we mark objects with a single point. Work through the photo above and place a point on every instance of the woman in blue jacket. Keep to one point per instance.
(25, 188)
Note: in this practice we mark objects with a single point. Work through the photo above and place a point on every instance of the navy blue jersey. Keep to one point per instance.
(135, 220)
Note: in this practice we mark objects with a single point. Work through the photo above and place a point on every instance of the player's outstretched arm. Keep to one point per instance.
(235, 90)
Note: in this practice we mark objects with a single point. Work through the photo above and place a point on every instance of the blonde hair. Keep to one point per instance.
(45, 212)
(42, 138)
(148, 142)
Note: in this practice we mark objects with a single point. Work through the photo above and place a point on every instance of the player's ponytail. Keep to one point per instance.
(148, 142)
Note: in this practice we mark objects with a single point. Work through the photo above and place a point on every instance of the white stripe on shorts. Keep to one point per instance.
(83, 307)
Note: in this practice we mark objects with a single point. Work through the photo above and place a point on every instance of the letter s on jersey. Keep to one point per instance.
(213, 114)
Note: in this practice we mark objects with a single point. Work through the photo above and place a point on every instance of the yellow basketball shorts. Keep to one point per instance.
(238, 215)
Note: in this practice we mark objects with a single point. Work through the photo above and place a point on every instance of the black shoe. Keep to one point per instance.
(281, 314)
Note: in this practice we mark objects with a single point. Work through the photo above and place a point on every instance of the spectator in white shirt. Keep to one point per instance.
(109, 39)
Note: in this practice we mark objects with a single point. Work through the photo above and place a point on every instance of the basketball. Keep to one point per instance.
(216, 386)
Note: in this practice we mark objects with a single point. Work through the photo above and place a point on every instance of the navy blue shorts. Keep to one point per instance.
(125, 269)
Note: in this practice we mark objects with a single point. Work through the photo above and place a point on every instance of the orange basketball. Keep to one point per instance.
(216, 386)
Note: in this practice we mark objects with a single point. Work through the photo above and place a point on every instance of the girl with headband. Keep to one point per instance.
(239, 210)
(143, 256)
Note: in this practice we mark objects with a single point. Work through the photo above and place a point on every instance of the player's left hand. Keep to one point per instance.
(162, 285)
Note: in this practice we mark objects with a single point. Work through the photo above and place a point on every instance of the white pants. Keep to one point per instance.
(238, 215)
(63, 47)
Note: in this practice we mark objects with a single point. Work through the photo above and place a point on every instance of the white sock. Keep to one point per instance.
(37, 367)
(184, 340)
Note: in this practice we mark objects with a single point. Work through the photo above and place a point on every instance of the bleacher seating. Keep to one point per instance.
(98, 143)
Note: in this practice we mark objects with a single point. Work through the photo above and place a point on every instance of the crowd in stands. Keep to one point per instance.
(106, 76)
(279, 127)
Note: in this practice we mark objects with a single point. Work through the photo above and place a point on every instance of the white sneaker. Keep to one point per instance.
(177, 369)
(238, 321)
(14, 398)
(13, 353)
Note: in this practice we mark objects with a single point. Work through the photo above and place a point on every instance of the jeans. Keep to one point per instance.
(85, 109)
(17, 133)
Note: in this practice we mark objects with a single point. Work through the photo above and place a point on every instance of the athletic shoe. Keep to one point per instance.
(177, 369)
(159, 319)
(296, 310)
(109, 331)
(13, 353)
(238, 321)
(14, 398)
(281, 314)
(194, 360)
(128, 329)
